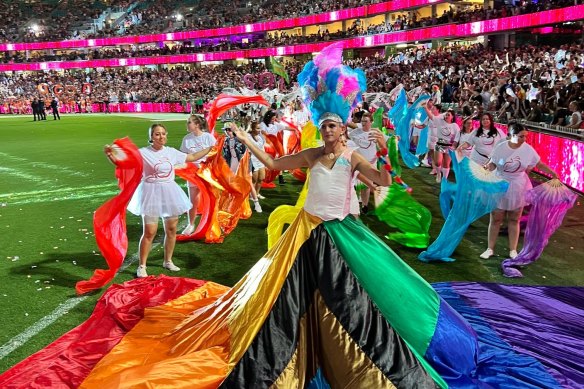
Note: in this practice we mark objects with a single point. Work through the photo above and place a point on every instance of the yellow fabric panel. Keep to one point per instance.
(345, 366)
(257, 291)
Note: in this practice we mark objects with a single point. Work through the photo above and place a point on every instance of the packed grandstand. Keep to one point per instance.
(541, 65)
(337, 96)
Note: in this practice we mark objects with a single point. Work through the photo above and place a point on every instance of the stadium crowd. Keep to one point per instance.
(538, 83)
(401, 22)
(38, 20)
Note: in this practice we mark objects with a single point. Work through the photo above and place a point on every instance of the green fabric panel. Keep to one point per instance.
(400, 210)
(404, 298)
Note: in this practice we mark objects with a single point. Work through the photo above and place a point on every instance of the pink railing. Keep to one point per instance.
(444, 31)
(327, 17)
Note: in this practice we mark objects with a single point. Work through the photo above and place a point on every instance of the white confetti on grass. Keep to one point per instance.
(61, 310)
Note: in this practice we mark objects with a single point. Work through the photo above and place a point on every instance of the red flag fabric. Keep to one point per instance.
(109, 220)
(224, 102)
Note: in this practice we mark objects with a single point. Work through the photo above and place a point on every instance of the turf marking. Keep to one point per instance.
(40, 196)
(43, 165)
(61, 310)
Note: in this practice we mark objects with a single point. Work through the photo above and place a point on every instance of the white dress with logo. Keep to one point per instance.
(331, 194)
(158, 195)
(511, 166)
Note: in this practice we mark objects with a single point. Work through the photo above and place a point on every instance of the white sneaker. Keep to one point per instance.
(260, 197)
(257, 207)
(438, 177)
(487, 254)
(188, 230)
(425, 163)
(170, 266)
(433, 172)
(141, 272)
(513, 254)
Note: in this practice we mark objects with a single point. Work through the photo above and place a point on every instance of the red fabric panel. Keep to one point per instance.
(69, 359)
(109, 220)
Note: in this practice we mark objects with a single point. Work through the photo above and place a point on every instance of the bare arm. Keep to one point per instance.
(545, 168)
(198, 155)
(431, 116)
(287, 162)
(463, 146)
(382, 178)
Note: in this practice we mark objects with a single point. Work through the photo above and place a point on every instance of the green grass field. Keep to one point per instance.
(54, 174)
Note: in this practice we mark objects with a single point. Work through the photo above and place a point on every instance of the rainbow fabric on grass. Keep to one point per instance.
(313, 302)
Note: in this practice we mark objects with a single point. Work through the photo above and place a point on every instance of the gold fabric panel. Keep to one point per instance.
(345, 365)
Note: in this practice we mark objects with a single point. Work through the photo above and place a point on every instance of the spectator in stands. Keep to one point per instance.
(575, 119)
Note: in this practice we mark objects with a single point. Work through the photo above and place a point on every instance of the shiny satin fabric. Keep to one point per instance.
(68, 360)
(224, 195)
(323, 318)
(397, 208)
(550, 203)
(234, 200)
(109, 220)
(200, 344)
(285, 214)
(477, 193)
(529, 336)
(202, 178)
(225, 102)
(275, 149)
(346, 364)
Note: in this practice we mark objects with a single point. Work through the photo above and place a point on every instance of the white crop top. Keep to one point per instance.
(331, 194)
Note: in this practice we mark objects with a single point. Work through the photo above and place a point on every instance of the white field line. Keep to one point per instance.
(61, 310)
(43, 165)
(24, 176)
(69, 193)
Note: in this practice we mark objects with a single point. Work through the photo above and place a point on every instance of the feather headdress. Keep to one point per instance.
(331, 90)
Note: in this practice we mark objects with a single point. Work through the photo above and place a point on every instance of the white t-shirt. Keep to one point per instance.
(359, 140)
(512, 163)
(192, 143)
(273, 128)
(302, 117)
(446, 132)
(462, 138)
(483, 145)
(432, 134)
(259, 142)
(159, 165)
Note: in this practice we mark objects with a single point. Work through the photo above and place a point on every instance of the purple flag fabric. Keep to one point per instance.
(550, 202)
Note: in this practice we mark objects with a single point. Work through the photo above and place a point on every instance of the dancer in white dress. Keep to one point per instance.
(513, 159)
(447, 130)
(158, 195)
(258, 168)
(196, 140)
(362, 138)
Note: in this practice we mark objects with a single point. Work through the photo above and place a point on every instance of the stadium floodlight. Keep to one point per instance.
(178, 17)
